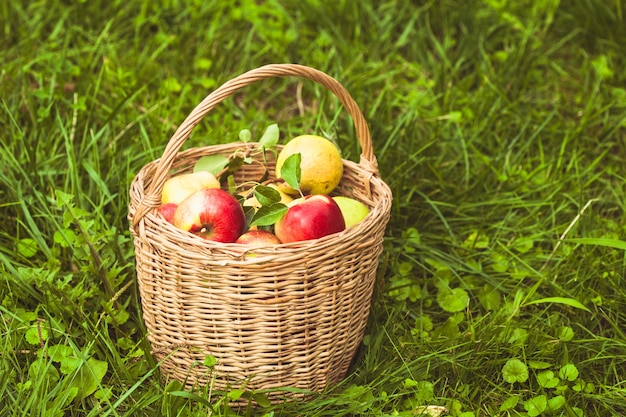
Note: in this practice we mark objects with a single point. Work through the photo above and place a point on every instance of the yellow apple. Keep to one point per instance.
(181, 186)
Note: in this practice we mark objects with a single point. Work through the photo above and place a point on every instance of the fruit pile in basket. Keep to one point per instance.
(295, 206)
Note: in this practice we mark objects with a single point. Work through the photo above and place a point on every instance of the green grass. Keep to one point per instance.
(500, 127)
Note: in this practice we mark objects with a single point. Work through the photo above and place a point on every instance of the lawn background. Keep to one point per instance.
(500, 127)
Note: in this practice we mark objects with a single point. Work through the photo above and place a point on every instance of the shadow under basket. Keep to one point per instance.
(288, 315)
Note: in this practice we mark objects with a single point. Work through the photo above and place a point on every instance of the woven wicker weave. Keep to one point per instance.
(290, 315)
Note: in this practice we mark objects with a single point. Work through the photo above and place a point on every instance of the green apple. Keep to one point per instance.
(353, 210)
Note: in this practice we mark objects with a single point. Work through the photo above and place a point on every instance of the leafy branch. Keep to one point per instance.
(270, 209)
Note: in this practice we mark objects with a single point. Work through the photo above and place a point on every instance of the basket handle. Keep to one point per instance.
(152, 198)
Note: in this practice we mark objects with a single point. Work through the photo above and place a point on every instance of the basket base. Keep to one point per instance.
(274, 384)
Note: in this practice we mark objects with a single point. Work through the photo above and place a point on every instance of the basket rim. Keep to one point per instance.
(240, 252)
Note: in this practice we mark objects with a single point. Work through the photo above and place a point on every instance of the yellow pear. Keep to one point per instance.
(321, 166)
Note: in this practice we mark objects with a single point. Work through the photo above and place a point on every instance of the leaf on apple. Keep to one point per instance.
(248, 212)
(211, 163)
(270, 137)
(232, 187)
(290, 170)
(266, 196)
(236, 162)
(268, 215)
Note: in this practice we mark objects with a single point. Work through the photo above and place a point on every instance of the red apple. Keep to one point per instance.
(310, 217)
(167, 210)
(258, 238)
(211, 213)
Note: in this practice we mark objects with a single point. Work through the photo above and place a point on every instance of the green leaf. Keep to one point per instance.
(232, 185)
(235, 394)
(104, 393)
(69, 364)
(409, 383)
(566, 333)
(539, 364)
(547, 379)
(476, 240)
(455, 116)
(425, 392)
(404, 268)
(266, 196)
(36, 334)
(40, 369)
(193, 397)
(450, 329)
(58, 352)
(172, 85)
(589, 388)
(510, 403)
(523, 244)
(27, 247)
(268, 215)
(290, 170)
(90, 376)
(263, 401)
(63, 198)
(579, 385)
(423, 323)
(489, 297)
(210, 361)
(211, 163)
(235, 163)
(536, 405)
(245, 135)
(518, 337)
(569, 372)
(412, 236)
(515, 370)
(452, 300)
(556, 403)
(610, 243)
(500, 262)
(270, 137)
(600, 64)
(403, 288)
(559, 300)
(64, 237)
(70, 394)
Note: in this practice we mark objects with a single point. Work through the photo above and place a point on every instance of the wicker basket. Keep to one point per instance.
(291, 315)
